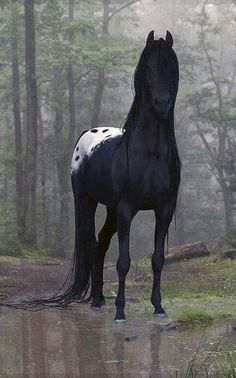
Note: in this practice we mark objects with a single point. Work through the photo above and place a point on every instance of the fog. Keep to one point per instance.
(86, 53)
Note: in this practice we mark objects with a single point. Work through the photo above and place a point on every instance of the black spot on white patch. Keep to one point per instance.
(94, 131)
(77, 158)
(77, 149)
(107, 136)
(104, 131)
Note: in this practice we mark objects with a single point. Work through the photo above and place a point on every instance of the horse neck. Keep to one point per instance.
(156, 136)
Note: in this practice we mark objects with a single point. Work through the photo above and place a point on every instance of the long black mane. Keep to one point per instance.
(167, 59)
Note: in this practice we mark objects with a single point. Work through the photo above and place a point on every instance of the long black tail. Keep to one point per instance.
(77, 283)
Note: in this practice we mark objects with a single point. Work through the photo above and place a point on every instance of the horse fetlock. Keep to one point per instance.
(120, 317)
(120, 302)
(156, 300)
(95, 306)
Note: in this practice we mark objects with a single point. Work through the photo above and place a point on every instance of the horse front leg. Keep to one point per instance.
(124, 218)
(163, 220)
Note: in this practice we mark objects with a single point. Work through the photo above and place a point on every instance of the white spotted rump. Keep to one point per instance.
(89, 140)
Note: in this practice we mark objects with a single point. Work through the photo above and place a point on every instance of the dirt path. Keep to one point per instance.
(29, 280)
(26, 280)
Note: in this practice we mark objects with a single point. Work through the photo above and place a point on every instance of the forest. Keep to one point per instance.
(67, 66)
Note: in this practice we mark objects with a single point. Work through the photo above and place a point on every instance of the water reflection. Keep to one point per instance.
(79, 343)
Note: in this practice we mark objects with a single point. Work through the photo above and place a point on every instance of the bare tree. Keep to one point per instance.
(64, 155)
(20, 221)
(32, 125)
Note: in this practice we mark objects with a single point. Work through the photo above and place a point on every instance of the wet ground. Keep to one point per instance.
(83, 343)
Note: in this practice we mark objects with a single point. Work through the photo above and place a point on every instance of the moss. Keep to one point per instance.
(194, 316)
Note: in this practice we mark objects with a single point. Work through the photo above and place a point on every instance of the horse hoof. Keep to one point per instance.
(161, 317)
(162, 314)
(120, 321)
(95, 308)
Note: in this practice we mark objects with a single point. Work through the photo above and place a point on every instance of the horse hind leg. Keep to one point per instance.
(104, 238)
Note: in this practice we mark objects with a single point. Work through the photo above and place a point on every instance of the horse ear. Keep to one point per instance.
(150, 38)
(169, 39)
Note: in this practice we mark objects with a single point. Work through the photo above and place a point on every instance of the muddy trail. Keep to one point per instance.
(25, 280)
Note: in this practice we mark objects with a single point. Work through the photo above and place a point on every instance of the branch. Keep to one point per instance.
(231, 85)
(82, 75)
(118, 10)
(209, 60)
(179, 123)
(206, 144)
(211, 170)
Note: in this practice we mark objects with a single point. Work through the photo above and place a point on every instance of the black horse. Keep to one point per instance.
(137, 168)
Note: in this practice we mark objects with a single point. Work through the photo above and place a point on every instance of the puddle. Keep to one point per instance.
(80, 343)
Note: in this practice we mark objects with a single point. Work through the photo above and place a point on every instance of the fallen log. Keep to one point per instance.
(186, 251)
(228, 254)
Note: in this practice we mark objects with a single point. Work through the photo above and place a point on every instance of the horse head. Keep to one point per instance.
(157, 74)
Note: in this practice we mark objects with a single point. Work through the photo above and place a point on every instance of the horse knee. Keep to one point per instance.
(157, 263)
(123, 265)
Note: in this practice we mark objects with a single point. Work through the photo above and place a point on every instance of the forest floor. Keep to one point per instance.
(194, 291)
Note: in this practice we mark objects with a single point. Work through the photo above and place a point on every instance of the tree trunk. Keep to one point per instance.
(228, 207)
(31, 125)
(97, 102)
(64, 155)
(100, 84)
(62, 241)
(70, 81)
(44, 207)
(20, 221)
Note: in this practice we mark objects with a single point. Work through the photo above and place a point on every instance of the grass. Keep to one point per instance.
(28, 257)
(214, 364)
(190, 316)
(194, 292)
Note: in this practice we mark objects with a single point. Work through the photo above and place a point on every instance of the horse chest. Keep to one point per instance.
(149, 178)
